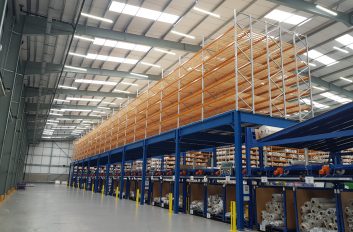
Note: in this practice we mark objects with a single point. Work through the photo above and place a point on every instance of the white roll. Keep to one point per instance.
(319, 200)
(349, 211)
(326, 205)
(305, 226)
(277, 197)
(315, 210)
(330, 212)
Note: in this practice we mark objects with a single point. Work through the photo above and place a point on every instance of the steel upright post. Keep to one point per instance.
(88, 174)
(248, 134)
(97, 176)
(122, 174)
(214, 157)
(177, 172)
(239, 196)
(107, 172)
(69, 176)
(144, 170)
(81, 176)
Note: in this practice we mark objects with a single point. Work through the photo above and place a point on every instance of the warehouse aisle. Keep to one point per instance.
(51, 208)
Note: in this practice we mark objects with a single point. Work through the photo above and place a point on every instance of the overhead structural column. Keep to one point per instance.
(311, 8)
(122, 174)
(176, 172)
(36, 26)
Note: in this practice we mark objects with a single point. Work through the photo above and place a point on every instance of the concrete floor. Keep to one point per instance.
(52, 208)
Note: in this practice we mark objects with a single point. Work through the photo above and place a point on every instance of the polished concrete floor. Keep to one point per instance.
(53, 208)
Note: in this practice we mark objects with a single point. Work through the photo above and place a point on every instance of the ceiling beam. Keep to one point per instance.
(33, 107)
(346, 18)
(37, 25)
(34, 92)
(32, 68)
(43, 117)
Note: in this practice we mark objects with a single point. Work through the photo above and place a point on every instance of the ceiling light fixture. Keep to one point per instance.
(111, 58)
(76, 68)
(99, 112)
(345, 79)
(56, 114)
(109, 103)
(120, 91)
(138, 75)
(331, 12)
(340, 49)
(122, 45)
(316, 104)
(149, 64)
(142, 12)
(60, 100)
(305, 21)
(206, 12)
(83, 38)
(49, 120)
(75, 110)
(66, 87)
(182, 34)
(96, 82)
(83, 99)
(77, 54)
(164, 51)
(105, 108)
(319, 88)
(96, 17)
(51, 123)
(319, 57)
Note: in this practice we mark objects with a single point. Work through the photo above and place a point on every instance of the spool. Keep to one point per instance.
(314, 210)
(305, 226)
(319, 200)
(326, 205)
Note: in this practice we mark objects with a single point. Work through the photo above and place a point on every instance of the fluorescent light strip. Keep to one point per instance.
(336, 97)
(121, 45)
(326, 10)
(56, 114)
(60, 100)
(83, 99)
(96, 18)
(99, 112)
(120, 91)
(286, 17)
(345, 79)
(182, 34)
(75, 110)
(96, 82)
(75, 68)
(105, 108)
(126, 83)
(77, 54)
(51, 123)
(95, 115)
(138, 75)
(111, 58)
(206, 12)
(318, 88)
(49, 120)
(149, 64)
(164, 51)
(340, 49)
(66, 87)
(132, 10)
(305, 21)
(83, 38)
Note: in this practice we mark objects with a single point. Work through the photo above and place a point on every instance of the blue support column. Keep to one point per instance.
(248, 139)
(296, 212)
(261, 157)
(97, 176)
(214, 157)
(81, 176)
(239, 196)
(144, 170)
(88, 175)
(177, 172)
(162, 163)
(69, 177)
(122, 174)
(107, 172)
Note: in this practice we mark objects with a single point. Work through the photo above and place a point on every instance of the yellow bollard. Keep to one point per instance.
(102, 192)
(92, 188)
(170, 203)
(84, 186)
(137, 197)
(117, 193)
(233, 217)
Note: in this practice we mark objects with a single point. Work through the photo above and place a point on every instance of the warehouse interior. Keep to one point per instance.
(176, 115)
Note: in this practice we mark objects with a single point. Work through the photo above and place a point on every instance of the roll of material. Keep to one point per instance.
(326, 206)
(319, 200)
(350, 220)
(305, 226)
(332, 226)
(307, 204)
(349, 211)
(305, 209)
(277, 197)
(315, 210)
(331, 212)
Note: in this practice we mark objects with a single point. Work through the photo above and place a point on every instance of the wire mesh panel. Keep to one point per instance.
(254, 66)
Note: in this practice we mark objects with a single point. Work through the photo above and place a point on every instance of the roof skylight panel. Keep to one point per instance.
(319, 57)
(346, 40)
(132, 10)
(316, 104)
(285, 17)
(120, 44)
(336, 97)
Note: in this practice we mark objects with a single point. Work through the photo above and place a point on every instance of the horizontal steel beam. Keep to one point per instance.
(34, 92)
(309, 7)
(31, 116)
(33, 107)
(37, 26)
(32, 68)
